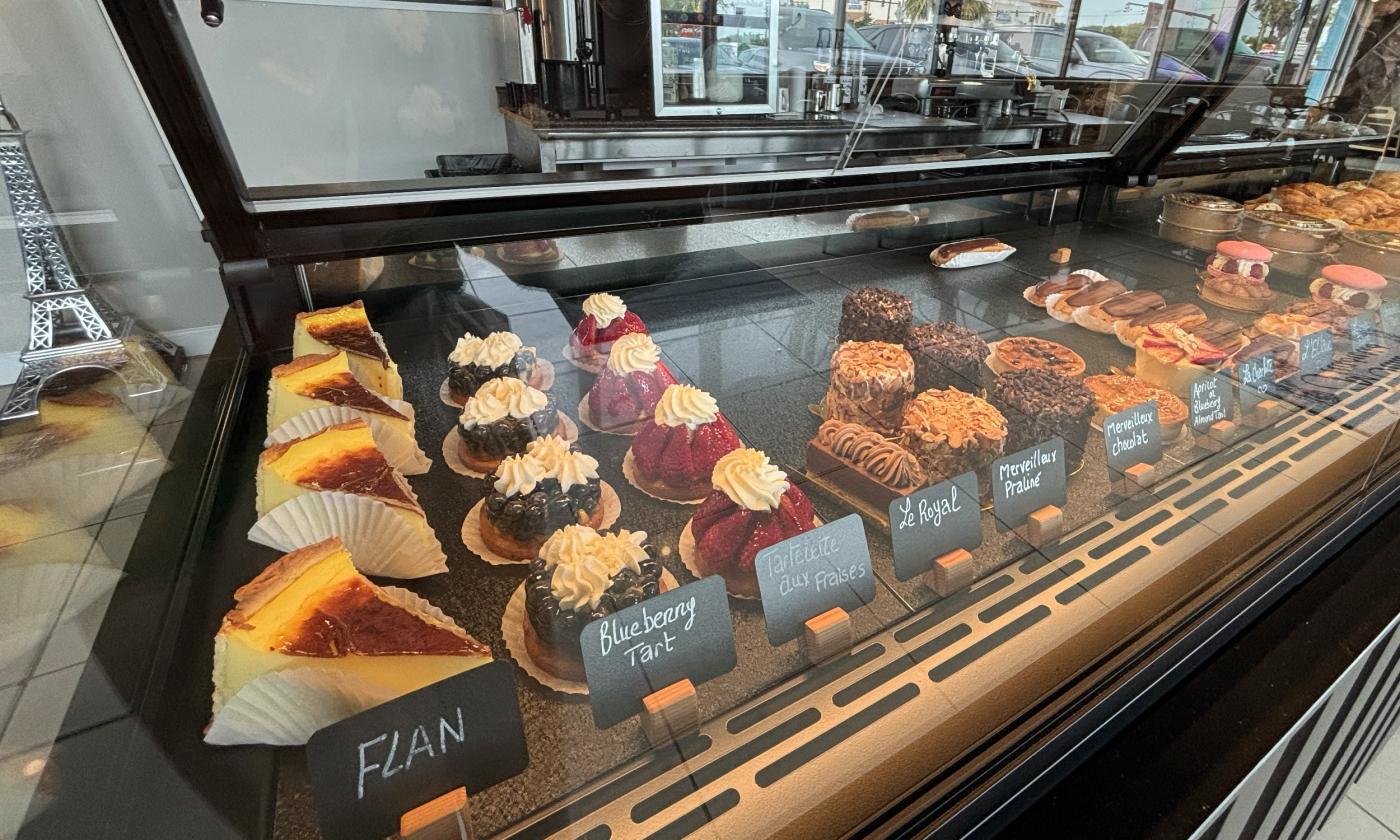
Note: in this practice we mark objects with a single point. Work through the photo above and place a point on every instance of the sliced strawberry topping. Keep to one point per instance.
(628, 323)
(727, 536)
(716, 506)
(767, 531)
(677, 464)
(647, 447)
(711, 442)
(586, 333)
(802, 507)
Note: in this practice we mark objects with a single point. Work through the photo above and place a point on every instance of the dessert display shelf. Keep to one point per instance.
(921, 661)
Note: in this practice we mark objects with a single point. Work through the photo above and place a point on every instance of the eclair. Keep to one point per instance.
(1101, 317)
(1062, 306)
(1038, 293)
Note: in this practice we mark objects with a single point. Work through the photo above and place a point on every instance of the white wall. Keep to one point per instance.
(106, 170)
(313, 93)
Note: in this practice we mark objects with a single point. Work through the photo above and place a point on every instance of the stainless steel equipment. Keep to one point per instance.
(571, 72)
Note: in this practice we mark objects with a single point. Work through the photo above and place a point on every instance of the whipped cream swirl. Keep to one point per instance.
(492, 351)
(686, 405)
(500, 398)
(604, 308)
(518, 475)
(633, 353)
(750, 480)
(585, 563)
(571, 467)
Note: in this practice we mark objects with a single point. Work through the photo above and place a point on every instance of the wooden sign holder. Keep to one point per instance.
(1043, 526)
(951, 572)
(671, 713)
(1265, 412)
(1134, 479)
(827, 635)
(1218, 435)
(448, 817)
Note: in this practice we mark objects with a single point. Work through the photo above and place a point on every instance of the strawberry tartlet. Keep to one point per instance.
(629, 387)
(1351, 286)
(1236, 277)
(674, 456)
(605, 320)
(752, 506)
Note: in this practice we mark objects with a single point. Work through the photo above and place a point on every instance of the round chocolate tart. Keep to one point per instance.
(946, 355)
(875, 314)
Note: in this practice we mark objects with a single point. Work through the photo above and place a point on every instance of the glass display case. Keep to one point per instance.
(825, 447)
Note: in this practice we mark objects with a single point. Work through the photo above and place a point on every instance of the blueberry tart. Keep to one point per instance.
(476, 361)
(501, 419)
(536, 493)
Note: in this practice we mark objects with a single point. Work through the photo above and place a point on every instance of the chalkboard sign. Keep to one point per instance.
(1390, 318)
(1256, 379)
(806, 575)
(934, 521)
(464, 731)
(1315, 351)
(1211, 400)
(1133, 436)
(1363, 330)
(1027, 481)
(684, 633)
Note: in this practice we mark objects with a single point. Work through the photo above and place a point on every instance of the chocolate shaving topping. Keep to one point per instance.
(888, 462)
(1096, 293)
(875, 314)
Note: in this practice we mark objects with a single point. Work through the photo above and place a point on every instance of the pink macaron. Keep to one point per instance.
(1241, 250)
(1353, 277)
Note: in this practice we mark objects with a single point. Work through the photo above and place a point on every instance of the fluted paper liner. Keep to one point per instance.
(594, 368)
(970, 259)
(1050, 299)
(471, 527)
(380, 541)
(513, 630)
(34, 596)
(629, 470)
(452, 454)
(544, 367)
(690, 556)
(586, 417)
(85, 487)
(401, 451)
(285, 708)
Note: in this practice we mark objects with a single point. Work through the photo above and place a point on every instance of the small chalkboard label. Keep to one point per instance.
(1133, 436)
(806, 575)
(1211, 400)
(464, 731)
(1315, 351)
(1027, 481)
(1363, 330)
(683, 633)
(934, 521)
(1256, 377)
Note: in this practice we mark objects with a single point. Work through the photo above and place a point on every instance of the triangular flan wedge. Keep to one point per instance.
(311, 641)
(336, 482)
(347, 328)
(312, 392)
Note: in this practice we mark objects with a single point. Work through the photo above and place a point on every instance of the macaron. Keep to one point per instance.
(1353, 277)
(1348, 285)
(1239, 249)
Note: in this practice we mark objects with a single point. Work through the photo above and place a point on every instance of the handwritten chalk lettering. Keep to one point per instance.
(1133, 436)
(1256, 379)
(1028, 480)
(808, 574)
(1210, 401)
(683, 633)
(1315, 351)
(934, 521)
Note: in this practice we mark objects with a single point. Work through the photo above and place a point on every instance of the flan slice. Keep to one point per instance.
(311, 641)
(319, 390)
(336, 482)
(347, 328)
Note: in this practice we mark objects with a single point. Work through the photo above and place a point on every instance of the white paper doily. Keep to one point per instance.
(471, 527)
(586, 417)
(513, 630)
(594, 368)
(452, 453)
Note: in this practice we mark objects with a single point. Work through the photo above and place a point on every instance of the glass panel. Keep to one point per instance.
(715, 58)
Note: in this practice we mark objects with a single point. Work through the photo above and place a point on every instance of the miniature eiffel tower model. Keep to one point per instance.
(70, 326)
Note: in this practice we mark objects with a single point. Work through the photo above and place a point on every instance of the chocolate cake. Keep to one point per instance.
(863, 463)
(1039, 405)
(870, 382)
(875, 314)
(946, 355)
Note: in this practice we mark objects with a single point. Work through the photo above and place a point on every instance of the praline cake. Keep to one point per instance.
(864, 463)
(875, 314)
(501, 420)
(347, 328)
(605, 319)
(627, 390)
(674, 455)
(475, 361)
(536, 493)
(579, 576)
(310, 641)
(946, 355)
(951, 432)
(752, 506)
(1039, 405)
(1236, 277)
(870, 383)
